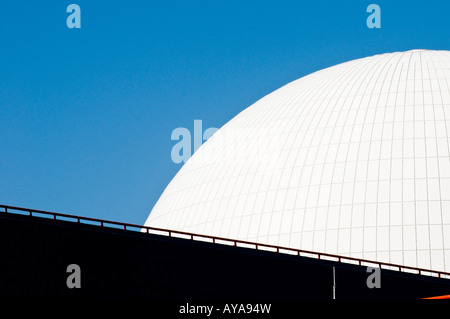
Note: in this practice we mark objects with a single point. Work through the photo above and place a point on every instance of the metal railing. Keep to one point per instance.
(219, 240)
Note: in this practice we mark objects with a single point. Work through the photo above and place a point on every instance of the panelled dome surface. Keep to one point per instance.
(350, 160)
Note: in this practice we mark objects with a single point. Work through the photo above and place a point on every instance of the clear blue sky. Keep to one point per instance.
(86, 114)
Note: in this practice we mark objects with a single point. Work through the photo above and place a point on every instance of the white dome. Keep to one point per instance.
(350, 160)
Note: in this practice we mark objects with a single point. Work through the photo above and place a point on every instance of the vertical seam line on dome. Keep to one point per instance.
(370, 151)
(258, 192)
(357, 159)
(289, 99)
(350, 73)
(323, 165)
(239, 174)
(331, 88)
(403, 158)
(414, 158)
(226, 183)
(222, 180)
(391, 156)
(425, 149)
(379, 155)
(346, 160)
(448, 151)
(209, 173)
(293, 95)
(377, 109)
(308, 111)
(293, 106)
(259, 164)
(380, 58)
(337, 90)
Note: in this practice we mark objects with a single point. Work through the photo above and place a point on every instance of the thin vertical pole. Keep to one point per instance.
(334, 283)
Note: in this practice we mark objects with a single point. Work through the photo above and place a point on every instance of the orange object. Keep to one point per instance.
(439, 297)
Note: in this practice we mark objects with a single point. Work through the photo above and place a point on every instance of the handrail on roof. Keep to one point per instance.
(235, 242)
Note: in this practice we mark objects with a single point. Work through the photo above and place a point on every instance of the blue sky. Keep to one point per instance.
(86, 114)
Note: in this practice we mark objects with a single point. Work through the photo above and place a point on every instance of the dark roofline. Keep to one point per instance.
(220, 240)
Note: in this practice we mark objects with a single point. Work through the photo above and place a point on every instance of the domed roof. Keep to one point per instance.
(351, 160)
